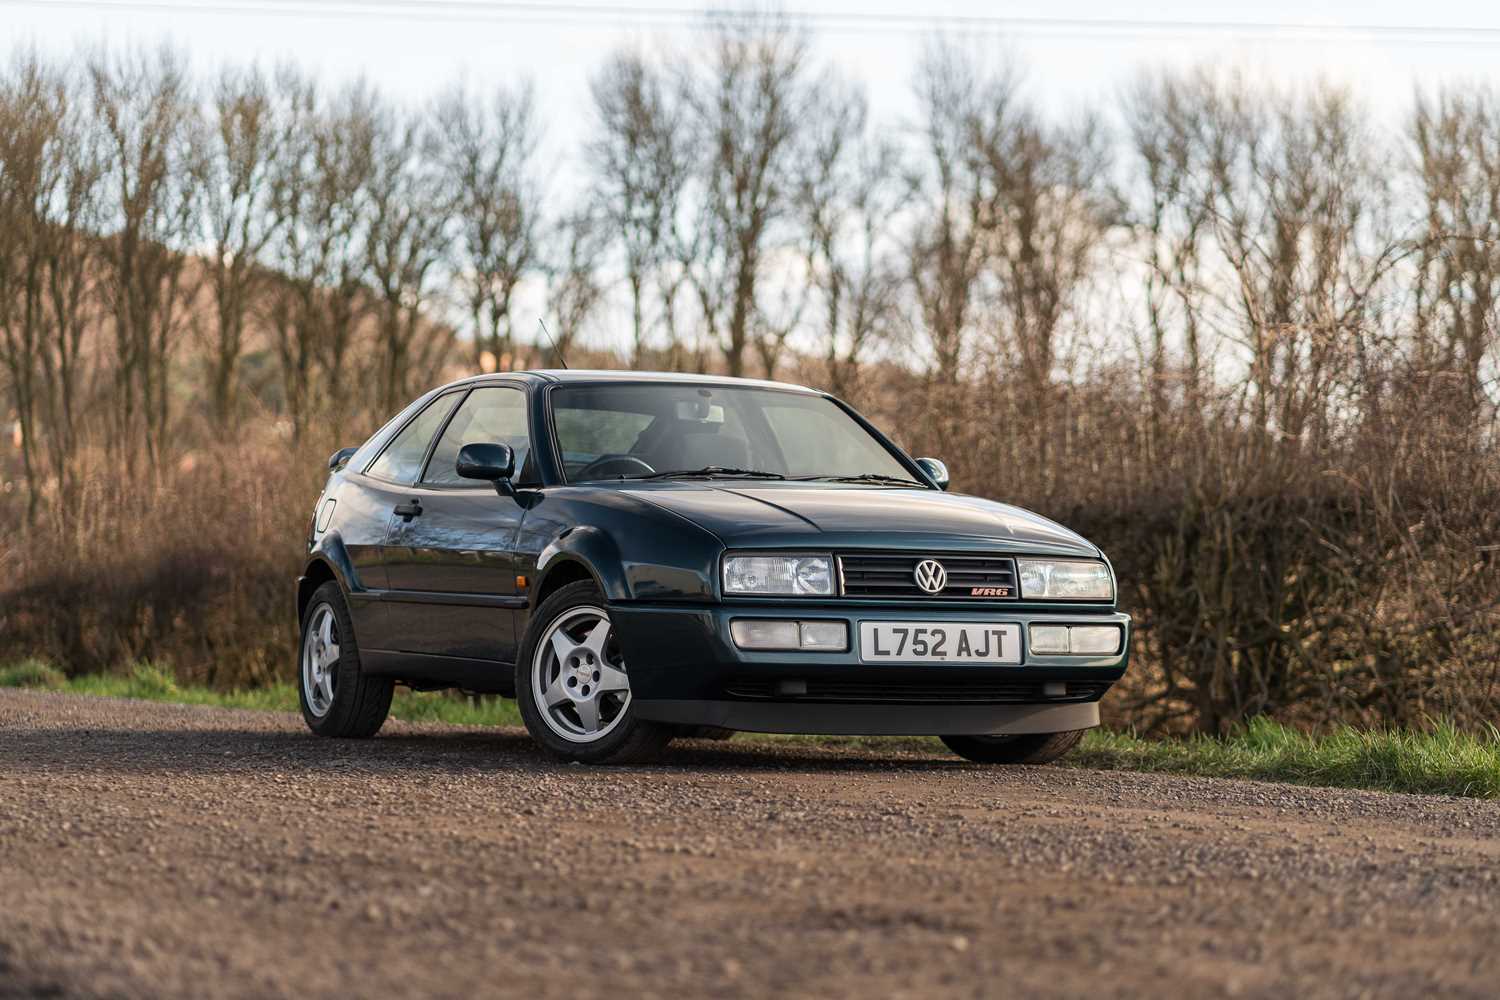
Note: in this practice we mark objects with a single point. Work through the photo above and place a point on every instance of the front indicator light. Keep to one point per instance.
(767, 634)
(1047, 640)
(1075, 640)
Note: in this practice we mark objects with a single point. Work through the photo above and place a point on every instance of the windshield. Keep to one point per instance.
(662, 431)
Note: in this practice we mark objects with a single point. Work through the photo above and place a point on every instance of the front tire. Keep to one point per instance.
(338, 698)
(1035, 748)
(573, 687)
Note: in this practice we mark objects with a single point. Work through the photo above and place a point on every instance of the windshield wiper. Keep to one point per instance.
(863, 477)
(712, 470)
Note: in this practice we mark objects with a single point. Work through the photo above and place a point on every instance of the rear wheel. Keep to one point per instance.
(338, 698)
(1035, 748)
(573, 685)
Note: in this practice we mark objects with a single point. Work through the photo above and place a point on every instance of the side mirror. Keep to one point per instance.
(493, 463)
(338, 458)
(936, 471)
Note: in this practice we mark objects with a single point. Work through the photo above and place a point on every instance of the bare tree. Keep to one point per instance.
(848, 198)
(1173, 219)
(70, 255)
(237, 220)
(1046, 214)
(947, 249)
(487, 154)
(146, 107)
(31, 100)
(575, 289)
(1299, 215)
(640, 167)
(1456, 138)
(321, 201)
(404, 246)
(747, 99)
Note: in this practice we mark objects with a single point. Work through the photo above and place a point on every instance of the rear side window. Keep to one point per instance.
(490, 415)
(401, 461)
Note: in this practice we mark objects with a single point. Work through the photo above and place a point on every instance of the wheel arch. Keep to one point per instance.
(580, 554)
(317, 572)
(561, 572)
(328, 560)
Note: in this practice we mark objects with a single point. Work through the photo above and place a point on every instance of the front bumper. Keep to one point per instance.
(685, 668)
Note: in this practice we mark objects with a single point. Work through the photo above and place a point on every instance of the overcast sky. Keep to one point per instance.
(413, 47)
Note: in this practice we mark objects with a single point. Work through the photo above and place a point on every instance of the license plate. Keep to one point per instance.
(939, 642)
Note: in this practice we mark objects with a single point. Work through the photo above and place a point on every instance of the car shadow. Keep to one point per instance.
(198, 751)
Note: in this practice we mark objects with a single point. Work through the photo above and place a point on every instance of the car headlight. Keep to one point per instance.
(1064, 580)
(786, 575)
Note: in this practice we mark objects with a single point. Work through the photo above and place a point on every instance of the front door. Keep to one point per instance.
(450, 557)
(366, 506)
(383, 489)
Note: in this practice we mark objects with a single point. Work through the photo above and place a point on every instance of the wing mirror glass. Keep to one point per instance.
(936, 470)
(492, 463)
(338, 458)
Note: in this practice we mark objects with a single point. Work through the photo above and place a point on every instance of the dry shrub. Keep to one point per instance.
(195, 570)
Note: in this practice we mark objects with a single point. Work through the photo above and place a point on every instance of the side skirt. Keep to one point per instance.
(426, 671)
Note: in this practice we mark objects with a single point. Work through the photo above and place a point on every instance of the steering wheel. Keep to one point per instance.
(614, 465)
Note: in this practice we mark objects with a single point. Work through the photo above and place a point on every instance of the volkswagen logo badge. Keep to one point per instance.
(931, 576)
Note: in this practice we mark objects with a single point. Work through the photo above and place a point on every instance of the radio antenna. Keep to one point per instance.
(555, 349)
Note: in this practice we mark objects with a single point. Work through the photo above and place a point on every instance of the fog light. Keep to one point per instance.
(760, 633)
(1048, 640)
(829, 636)
(1075, 640)
(1100, 640)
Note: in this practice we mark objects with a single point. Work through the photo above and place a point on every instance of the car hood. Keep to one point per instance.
(851, 516)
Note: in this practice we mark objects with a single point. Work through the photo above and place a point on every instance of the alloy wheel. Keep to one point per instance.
(320, 657)
(578, 676)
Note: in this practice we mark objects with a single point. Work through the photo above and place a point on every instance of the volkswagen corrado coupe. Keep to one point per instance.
(635, 556)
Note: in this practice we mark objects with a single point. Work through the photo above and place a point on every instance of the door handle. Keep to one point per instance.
(407, 511)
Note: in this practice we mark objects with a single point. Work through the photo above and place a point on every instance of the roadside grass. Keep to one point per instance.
(32, 674)
(1439, 760)
(150, 682)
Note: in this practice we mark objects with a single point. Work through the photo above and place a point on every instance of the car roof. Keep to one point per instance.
(569, 375)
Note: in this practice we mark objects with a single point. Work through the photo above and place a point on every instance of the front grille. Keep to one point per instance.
(961, 692)
(970, 578)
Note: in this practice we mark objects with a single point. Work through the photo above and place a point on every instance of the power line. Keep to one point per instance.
(860, 21)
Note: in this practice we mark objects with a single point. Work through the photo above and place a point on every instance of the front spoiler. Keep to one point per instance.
(873, 720)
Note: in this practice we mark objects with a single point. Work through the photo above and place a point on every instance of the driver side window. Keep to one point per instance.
(489, 415)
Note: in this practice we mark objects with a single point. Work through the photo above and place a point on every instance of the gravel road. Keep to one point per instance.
(156, 851)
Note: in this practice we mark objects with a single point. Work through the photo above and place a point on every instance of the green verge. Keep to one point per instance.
(1438, 760)
(153, 683)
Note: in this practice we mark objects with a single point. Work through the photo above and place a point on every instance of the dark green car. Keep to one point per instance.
(635, 556)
